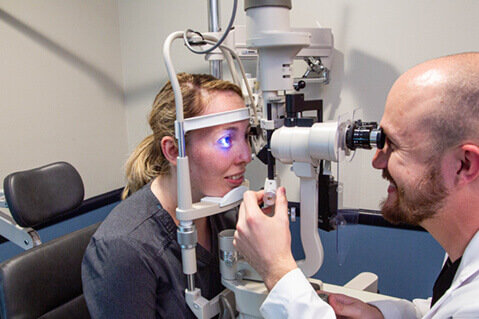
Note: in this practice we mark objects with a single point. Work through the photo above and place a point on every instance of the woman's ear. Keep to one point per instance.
(169, 149)
(469, 169)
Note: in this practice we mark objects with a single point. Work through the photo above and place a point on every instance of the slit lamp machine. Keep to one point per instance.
(282, 133)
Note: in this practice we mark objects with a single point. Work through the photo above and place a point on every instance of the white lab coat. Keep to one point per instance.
(293, 296)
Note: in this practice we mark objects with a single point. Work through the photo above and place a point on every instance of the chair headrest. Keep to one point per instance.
(42, 194)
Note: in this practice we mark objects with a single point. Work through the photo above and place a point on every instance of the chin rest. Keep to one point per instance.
(43, 194)
(45, 281)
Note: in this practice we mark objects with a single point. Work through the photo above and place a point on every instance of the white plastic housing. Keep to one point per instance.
(306, 144)
(268, 30)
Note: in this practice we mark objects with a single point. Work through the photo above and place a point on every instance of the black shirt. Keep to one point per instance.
(444, 281)
(132, 266)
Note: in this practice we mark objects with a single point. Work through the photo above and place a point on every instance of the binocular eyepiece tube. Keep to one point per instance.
(365, 135)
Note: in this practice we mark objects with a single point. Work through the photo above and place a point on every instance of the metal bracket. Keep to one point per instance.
(3, 201)
(203, 308)
(316, 66)
(24, 237)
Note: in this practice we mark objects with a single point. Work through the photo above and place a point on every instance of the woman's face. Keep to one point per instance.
(218, 155)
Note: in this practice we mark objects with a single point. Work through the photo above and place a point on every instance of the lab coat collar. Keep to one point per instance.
(468, 267)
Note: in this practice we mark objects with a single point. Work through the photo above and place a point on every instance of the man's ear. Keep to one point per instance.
(169, 149)
(468, 171)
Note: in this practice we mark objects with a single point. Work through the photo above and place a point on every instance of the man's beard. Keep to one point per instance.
(414, 204)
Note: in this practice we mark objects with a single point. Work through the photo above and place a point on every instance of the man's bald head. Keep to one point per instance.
(448, 89)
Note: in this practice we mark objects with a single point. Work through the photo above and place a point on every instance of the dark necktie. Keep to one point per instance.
(444, 281)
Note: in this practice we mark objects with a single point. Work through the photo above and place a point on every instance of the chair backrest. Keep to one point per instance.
(43, 194)
(45, 281)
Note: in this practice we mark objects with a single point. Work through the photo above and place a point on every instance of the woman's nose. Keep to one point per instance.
(244, 153)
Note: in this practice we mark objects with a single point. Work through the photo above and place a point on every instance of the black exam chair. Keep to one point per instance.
(45, 281)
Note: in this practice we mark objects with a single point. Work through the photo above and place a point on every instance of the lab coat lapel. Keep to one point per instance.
(469, 266)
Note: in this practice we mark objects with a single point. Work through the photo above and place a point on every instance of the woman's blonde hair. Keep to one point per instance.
(147, 161)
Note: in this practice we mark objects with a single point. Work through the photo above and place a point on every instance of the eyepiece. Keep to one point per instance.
(364, 135)
(378, 138)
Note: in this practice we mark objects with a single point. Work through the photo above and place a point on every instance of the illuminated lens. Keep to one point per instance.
(225, 142)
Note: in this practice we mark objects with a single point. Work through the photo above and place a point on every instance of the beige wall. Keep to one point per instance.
(375, 41)
(61, 90)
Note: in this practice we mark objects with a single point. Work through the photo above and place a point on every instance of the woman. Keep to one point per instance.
(132, 266)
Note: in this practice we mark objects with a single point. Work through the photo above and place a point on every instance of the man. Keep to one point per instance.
(431, 159)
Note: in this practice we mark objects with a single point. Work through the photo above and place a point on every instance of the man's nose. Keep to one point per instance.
(380, 159)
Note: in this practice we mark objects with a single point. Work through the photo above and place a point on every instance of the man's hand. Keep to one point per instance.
(348, 307)
(265, 242)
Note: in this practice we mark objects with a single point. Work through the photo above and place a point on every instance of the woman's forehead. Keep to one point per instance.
(223, 101)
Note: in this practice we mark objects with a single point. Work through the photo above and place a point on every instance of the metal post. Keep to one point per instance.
(191, 282)
(216, 66)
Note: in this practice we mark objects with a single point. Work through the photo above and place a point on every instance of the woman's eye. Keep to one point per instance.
(225, 142)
